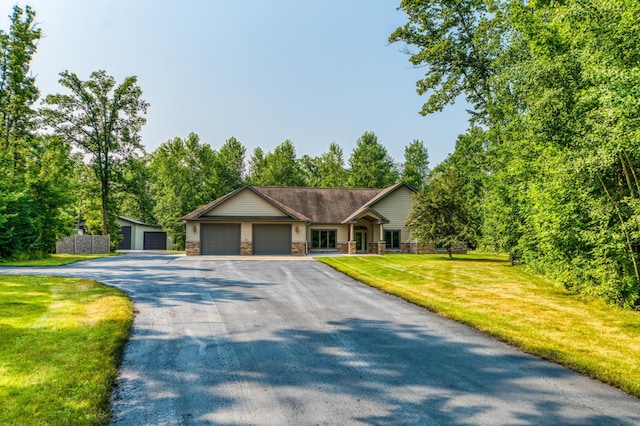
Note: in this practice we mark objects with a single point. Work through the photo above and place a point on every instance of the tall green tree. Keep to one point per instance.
(18, 91)
(278, 168)
(230, 167)
(416, 165)
(183, 178)
(101, 118)
(331, 168)
(439, 213)
(371, 166)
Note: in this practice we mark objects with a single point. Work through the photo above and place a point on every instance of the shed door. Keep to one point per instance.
(155, 241)
(220, 239)
(125, 244)
(272, 239)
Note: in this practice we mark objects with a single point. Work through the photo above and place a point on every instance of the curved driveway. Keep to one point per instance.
(290, 341)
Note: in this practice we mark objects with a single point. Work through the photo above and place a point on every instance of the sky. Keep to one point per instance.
(262, 71)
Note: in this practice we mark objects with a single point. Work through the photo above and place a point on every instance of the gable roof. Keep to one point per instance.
(316, 205)
(137, 222)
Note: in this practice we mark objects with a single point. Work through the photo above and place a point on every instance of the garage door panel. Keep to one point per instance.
(272, 239)
(155, 241)
(125, 244)
(220, 239)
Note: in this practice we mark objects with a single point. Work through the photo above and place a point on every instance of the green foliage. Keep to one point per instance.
(17, 88)
(278, 168)
(439, 213)
(370, 164)
(556, 85)
(104, 121)
(416, 165)
(184, 178)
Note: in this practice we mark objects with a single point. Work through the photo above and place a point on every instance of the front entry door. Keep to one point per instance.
(361, 241)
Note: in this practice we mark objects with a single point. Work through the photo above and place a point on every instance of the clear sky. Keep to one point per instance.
(261, 70)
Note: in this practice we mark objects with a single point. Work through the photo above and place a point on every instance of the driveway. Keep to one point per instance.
(283, 341)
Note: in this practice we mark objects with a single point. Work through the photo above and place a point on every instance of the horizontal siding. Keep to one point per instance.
(246, 203)
(396, 207)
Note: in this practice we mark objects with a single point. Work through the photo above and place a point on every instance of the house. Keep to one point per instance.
(265, 220)
(142, 236)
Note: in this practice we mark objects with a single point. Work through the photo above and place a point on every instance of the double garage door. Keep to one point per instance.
(224, 239)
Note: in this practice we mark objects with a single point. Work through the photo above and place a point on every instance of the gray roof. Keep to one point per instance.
(316, 205)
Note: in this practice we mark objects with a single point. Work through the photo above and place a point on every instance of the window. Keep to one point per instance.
(323, 238)
(392, 238)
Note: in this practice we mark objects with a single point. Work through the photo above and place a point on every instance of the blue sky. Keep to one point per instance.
(262, 71)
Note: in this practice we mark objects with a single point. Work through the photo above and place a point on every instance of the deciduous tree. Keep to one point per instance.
(103, 120)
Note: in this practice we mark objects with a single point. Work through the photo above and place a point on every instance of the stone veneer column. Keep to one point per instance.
(246, 248)
(298, 249)
(351, 247)
(193, 248)
(382, 247)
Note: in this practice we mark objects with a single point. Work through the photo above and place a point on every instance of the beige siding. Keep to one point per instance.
(245, 203)
(395, 207)
(300, 236)
(193, 236)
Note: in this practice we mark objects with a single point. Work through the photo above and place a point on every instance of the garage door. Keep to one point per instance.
(155, 241)
(220, 239)
(125, 244)
(272, 239)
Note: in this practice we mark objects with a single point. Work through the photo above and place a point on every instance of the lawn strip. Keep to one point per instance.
(62, 339)
(56, 259)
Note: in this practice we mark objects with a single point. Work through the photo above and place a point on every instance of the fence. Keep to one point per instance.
(83, 244)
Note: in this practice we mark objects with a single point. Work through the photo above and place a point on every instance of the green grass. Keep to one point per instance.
(56, 259)
(61, 340)
(522, 309)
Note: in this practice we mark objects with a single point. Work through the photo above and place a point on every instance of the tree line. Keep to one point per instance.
(78, 156)
(548, 169)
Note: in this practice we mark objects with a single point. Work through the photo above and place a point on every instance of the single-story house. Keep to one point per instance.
(142, 236)
(267, 220)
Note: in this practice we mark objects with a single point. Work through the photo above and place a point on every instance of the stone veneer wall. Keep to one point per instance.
(418, 248)
(298, 249)
(246, 248)
(343, 248)
(193, 248)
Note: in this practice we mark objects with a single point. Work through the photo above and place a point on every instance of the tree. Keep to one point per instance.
(459, 45)
(371, 166)
(183, 178)
(277, 168)
(331, 169)
(17, 88)
(416, 165)
(257, 166)
(439, 213)
(101, 119)
(230, 165)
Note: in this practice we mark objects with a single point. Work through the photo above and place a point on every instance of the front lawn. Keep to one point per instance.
(61, 340)
(522, 309)
(56, 259)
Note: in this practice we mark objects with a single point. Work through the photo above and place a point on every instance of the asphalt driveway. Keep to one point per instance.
(281, 341)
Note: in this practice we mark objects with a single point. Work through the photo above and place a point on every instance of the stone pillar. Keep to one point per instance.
(351, 247)
(193, 248)
(382, 247)
(298, 249)
(246, 248)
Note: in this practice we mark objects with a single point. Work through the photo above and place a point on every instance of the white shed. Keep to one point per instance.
(142, 236)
